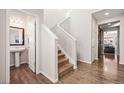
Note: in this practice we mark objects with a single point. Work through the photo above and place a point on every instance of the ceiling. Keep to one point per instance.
(112, 12)
(110, 26)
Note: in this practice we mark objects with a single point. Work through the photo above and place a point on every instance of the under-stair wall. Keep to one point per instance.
(49, 64)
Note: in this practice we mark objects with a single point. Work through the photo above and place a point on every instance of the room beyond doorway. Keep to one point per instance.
(108, 38)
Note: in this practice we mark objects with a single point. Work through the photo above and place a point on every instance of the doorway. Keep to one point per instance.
(108, 39)
(22, 32)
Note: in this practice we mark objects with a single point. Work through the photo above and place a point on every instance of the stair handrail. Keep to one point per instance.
(59, 25)
(49, 31)
(69, 35)
(60, 22)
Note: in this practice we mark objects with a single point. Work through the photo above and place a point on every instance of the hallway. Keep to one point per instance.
(105, 70)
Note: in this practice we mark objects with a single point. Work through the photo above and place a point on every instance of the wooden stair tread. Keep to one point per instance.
(62, 60)
(65, 67)
(60, 54)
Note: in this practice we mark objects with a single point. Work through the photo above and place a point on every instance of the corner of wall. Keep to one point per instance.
(88, 62)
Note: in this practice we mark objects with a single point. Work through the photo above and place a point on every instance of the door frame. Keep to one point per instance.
(7, 43)
(33, 68)
(100, 42)
(118, 38)
(37, 32)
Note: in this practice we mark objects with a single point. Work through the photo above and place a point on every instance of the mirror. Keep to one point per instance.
(16, 36)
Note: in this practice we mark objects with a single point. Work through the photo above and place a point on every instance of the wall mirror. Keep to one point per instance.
(16, 36)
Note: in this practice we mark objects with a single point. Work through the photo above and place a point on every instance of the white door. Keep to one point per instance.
(31, 33)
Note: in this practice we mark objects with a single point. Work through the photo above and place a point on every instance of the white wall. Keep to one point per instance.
(121, 18)
(53, 16)
(31, 41)
(4, 45)
(94, 40)
(17, 15)
(81, 30)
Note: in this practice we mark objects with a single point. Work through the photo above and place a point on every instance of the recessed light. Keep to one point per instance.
(106, 13)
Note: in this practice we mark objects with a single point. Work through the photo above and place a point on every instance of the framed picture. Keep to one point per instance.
(16, 36)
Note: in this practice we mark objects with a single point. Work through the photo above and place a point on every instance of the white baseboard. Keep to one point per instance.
(51, 79)
(84, 61)
(96, 58)
(32, 67)
(37, 71)
(75, 67)
(23, 62)
(122, 63)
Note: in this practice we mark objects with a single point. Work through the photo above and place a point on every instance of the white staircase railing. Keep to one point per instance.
(66, 42)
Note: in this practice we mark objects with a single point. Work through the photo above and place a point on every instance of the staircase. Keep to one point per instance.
(62, 56)
(64, 66)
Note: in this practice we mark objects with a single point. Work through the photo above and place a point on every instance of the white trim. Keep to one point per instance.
(96, 58)
(84, 61)
(122, 63)
(51, 79)
(37, 32)
(37, 43)
(7, 49)
(56, 60)
(32, 67)
(23, 62)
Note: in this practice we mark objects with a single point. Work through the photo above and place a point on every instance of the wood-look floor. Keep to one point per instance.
(23, 75)
(105, 70)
